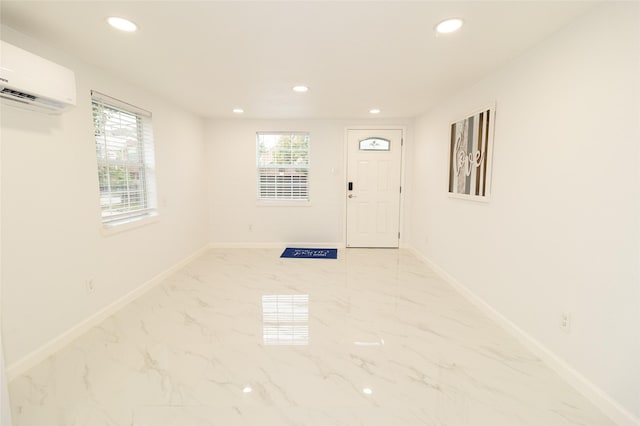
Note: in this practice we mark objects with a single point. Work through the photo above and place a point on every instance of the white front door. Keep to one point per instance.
(373, 187)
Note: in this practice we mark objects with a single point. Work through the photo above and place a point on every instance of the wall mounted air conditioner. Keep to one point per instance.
(32, 82)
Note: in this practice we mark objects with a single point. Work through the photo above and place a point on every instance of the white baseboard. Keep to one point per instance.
(281, 245)
(34, 358)
(597, 396)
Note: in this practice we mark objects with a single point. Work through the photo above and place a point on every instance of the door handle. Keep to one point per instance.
(352, 196)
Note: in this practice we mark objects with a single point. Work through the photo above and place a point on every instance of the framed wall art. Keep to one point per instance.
(470, 155)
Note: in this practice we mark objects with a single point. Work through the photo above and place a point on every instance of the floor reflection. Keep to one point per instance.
(285, 319)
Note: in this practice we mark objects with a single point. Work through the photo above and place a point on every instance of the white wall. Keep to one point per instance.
(235, 216)
(51, 229)
(5, 406)
(561, 232)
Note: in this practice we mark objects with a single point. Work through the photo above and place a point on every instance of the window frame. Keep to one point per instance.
(276, 200)
(144, 154)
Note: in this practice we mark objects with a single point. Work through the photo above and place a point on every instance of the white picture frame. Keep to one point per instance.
(471, 155)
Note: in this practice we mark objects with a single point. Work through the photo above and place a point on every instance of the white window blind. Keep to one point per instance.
(124, 152)
(283, 165)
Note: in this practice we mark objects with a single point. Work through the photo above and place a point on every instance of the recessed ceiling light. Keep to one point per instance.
(374, 111)
(122, 24)
(449, 25)
(367, 391)
(300, 89)
(238, 110)
(247, 389)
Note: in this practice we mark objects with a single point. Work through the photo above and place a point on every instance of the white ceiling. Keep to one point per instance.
(213, 56)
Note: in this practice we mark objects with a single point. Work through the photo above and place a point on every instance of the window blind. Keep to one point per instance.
(283, 165)
(125, 158)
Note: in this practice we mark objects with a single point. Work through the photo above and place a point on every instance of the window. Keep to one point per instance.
(283, 166)
(124, 150)
(375, 144)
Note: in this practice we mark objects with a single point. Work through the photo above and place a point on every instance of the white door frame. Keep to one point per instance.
(403, 129)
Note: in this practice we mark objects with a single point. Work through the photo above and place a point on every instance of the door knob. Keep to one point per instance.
(352, 196)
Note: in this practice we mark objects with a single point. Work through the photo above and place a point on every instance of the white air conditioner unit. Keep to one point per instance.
(31, 82)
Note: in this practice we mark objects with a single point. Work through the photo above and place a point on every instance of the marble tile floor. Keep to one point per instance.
(242, 337)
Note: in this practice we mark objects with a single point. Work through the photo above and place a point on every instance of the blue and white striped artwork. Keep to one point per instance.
(470, 155)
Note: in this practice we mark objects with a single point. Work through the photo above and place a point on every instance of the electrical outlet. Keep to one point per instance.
(565, 322)
(90, 285)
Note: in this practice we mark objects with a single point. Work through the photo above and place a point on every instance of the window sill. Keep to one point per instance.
(128, 224)
(283, 203)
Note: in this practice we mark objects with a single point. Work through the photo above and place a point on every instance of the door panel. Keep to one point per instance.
(373, 205)
(383, 176)
(382, 221)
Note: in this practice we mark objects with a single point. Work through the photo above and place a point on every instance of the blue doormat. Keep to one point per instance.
(310, 253)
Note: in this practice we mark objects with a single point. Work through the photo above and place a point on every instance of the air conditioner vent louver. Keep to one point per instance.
(17, 94)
